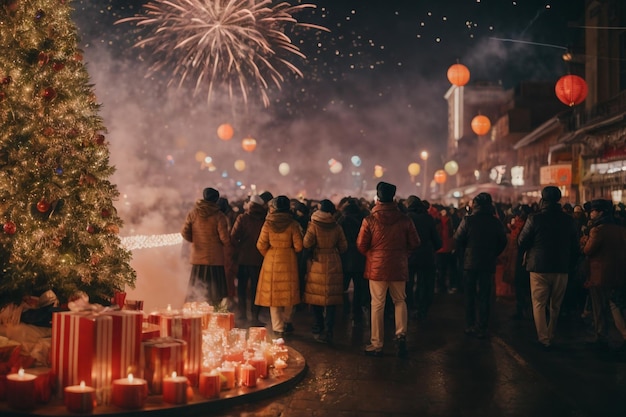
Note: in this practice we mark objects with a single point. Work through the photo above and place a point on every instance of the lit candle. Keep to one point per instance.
(210, 384)
(260, 363)
(175, 389)
(79, 398)
(248, 375)
(21, 390)
(228, 372)
(130, 393)
(279, 366)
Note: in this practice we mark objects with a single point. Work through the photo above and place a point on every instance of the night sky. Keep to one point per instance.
(373, 87)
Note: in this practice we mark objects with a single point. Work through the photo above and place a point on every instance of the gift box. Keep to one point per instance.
(161, 357)
(150, 331)
(95, 347)
(224, 321)
(189, 329)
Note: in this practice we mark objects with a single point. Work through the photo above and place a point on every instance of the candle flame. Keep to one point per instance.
(174, 374)
(130, 377)
(82, 384)
(169, 307)
(20, 373)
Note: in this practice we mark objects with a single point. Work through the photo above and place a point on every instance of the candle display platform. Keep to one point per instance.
(277, 382)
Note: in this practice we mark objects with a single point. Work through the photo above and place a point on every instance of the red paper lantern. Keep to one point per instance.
(481, 125)
(458, 74)
(571, 90)
(440, 176)
(225, 131)
(248, 144)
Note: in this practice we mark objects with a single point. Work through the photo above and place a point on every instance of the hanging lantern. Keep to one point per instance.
(248, 144)
(378, 171)
(440, 176)
(481, 125)
(571, 90)
(458, 75)
(284, 168)
(335, 167)
(225, 131)
(240, 165)
(414, 169)
(451, 167)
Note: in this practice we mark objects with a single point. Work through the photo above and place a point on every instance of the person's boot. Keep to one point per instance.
(401, 349)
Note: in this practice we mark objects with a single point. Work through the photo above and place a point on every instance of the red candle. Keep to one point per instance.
(248, 375)
(210, 384)
(175, 389)
(21, 390)
(79, 398)
(130, 393)
(260, 363)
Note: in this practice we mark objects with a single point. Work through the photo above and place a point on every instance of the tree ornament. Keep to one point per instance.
(571, 90)
(7, 80)
(48, 93)
(112, 228)
(91, 229)
(225, 131)
(458, 75)
(78, 57)
(58, 170)
(99, 139)
(43, 206)
(40, 14)
(105, 212)
(9, 227)
(43, 58)
(481, 125)
(58, 66)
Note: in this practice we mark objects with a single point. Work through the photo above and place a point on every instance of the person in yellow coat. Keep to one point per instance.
(278, 287)
(323, 288)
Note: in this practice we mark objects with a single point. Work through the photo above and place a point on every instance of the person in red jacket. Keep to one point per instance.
(386, 238)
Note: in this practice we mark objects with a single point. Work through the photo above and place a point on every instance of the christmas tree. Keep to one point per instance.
(59, 227)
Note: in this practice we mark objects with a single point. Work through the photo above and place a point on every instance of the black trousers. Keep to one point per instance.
(420, 288)
(478, 295)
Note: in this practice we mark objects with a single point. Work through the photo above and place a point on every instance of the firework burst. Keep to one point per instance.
(239, 44)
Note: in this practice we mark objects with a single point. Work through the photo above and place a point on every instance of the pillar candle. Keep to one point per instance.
(260, 363)
(228, 372)
(79, 398)
(210, 384)
(248, 375)
(279, 366)
(21, 390)
(175, 389)
(130, 393)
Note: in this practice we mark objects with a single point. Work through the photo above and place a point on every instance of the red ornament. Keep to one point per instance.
(248, 144)
(7, 80)
(43, 206)
(225, 131)
(49, 93)
(481, 125)
(43, 59)
(571, 90)
(458, 74)
(78, 57)
(99, 139)
(9, 227)
(105, 213)
(48, 131)
(58, 66)
(91, 229)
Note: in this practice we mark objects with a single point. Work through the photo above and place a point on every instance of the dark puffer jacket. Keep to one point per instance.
(550, 240)
(386, 238)
(424, 255)
(482, 237)
(245, 234)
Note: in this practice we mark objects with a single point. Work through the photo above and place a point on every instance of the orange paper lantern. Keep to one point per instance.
(458, 74)
(481, 125)
(571, 90)
(440, 176)
(248, 144)
(225, 131)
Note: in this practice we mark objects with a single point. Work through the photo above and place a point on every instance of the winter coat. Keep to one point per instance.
(550, 240)
(206, 227)
(324, 277)
(482, 237)
(279, 241)
(350, 221)
(386, 238)
(424, 255)
(606, 253)
(445, 227)
(245, 234)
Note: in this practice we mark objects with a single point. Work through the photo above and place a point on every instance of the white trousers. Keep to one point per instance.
(547, 291)
(378, 290)
(280, 316)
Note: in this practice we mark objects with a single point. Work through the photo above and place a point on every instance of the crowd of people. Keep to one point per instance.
(396, 254)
